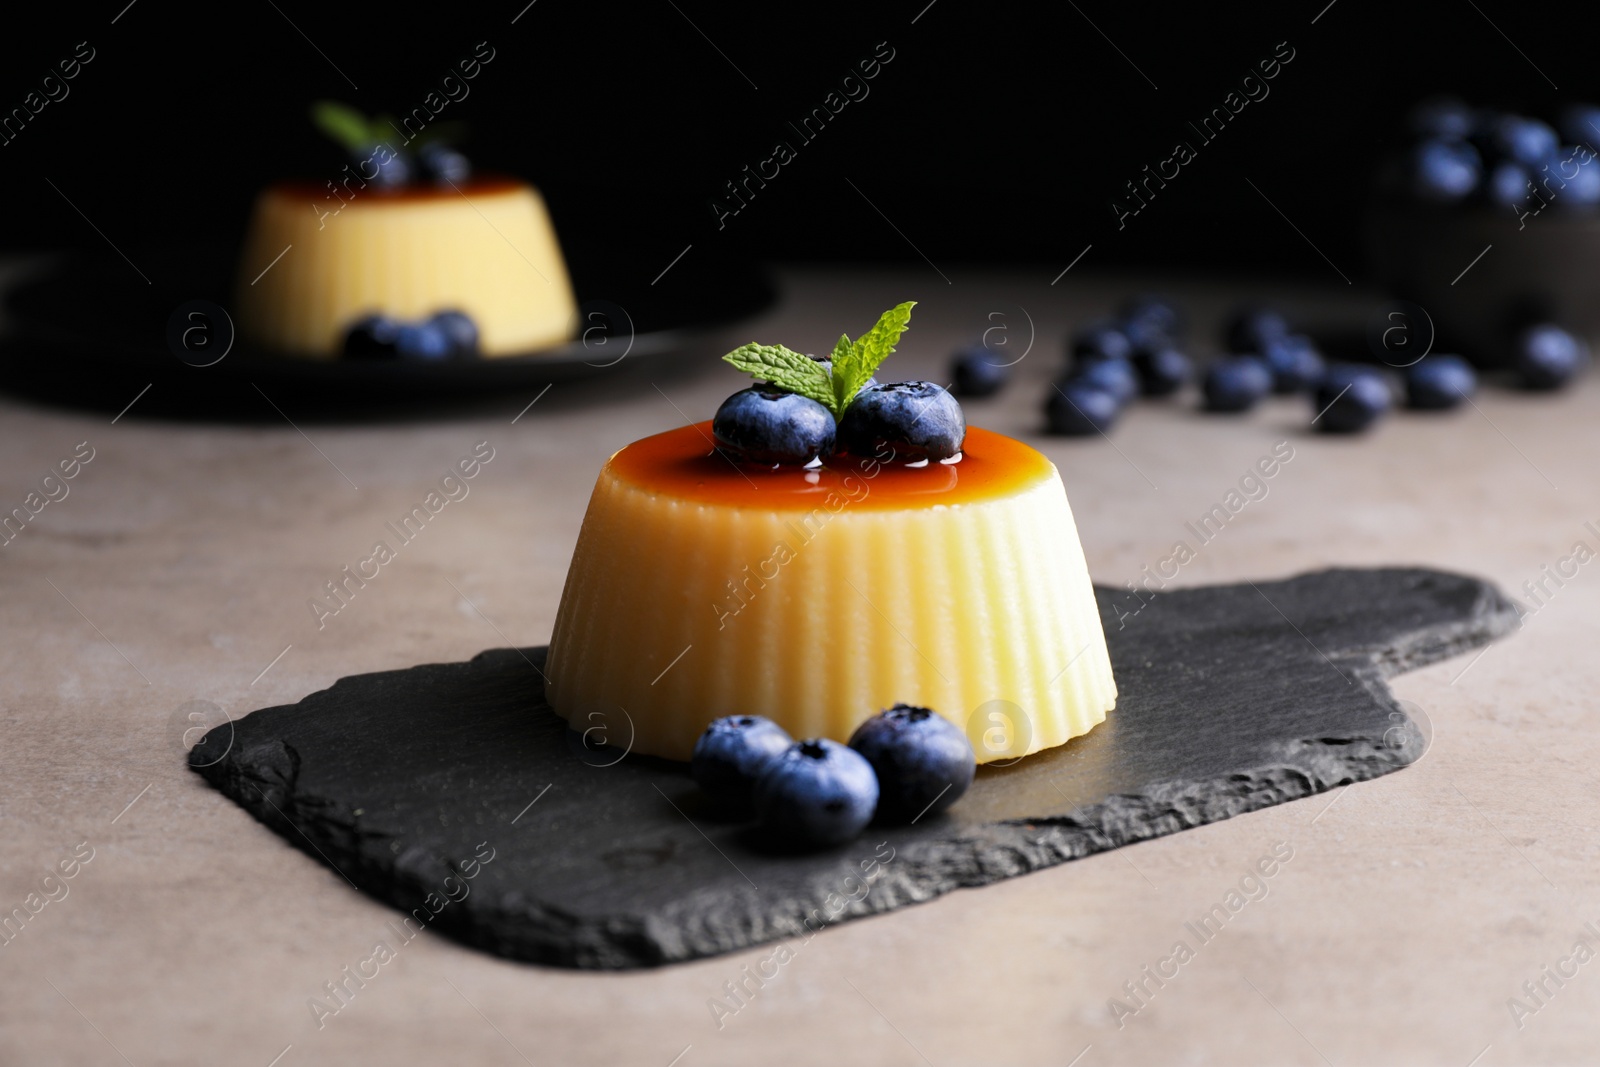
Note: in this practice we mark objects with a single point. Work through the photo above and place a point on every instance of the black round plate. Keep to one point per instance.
(94, 312)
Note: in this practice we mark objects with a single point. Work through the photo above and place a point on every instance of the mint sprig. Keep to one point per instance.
(853, 367)
(357, 134)
(853, 362)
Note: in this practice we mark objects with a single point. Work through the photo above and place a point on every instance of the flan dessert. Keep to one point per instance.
(760, 564)
(819, 597)
(404, 241)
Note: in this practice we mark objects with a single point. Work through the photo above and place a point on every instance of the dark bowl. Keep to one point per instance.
(1480, 274)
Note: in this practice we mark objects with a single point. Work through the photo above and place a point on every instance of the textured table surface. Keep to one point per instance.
(174, 575)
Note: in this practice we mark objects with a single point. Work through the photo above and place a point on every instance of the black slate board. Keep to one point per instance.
(1232, 698)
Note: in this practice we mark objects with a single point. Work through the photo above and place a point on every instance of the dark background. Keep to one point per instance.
(996, 134)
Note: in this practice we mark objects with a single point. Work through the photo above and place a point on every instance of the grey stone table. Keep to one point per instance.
(1400, 917)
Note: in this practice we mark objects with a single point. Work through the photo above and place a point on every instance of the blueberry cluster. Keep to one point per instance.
(900, 765)
(1266, 356)
(443, 336)
(806, 409)
(1460, 154)
(369, 142)
(1140, 352)
(770, 426)
(1116, 360)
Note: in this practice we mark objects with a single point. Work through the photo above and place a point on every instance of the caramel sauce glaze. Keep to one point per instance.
(683, 464)
(421, 192)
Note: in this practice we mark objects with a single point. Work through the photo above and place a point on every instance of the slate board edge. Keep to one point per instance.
(539, 934)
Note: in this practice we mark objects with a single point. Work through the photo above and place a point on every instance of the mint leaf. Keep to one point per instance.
(784, 367)
(853, 370)
(342, 123)
(841, 350)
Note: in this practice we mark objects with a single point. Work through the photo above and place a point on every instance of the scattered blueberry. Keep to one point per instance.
(1163, 370)
(1442, 116)
(979, 372)
(1150, 321)
(444, 164)
(1102, 340)
(923, 761)
(1350, 398)
(1236, 383)
(373, 337)
(1507, 185)
(1295, 363)
(392, 172)
(1582, 189)
(767, 425)
(918, 420)
(1444, 171)
(816, 793)
(1078, 408)
(1548, 357)
(1115, 376)
(1440, 382)
(461, 330)
(426, 342)
(1580, 124)
(1251, 329)
(731, 755)
(1524, 140)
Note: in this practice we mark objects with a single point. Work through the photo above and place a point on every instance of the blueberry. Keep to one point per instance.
(425, 342)
(918, 420)
(373, 337)
(1524, 140)
(444, 164)
(816, 793)
(1350, 398)
(460, 329)
(924, 762)
(1582, 189)
(1440, 382)
(1442, 116)
(1163, 369)
(1508, 185)
(979, 372)
(1115, 376)
(1078, 408)
(1252, 328)
(767, 425)
(731, 755)
(1580, 123)
(1444, 171)
(1548, 357)
(1295, 363)
(392, 172)
(1150, 321)
(1236, 383)
(1101, 340)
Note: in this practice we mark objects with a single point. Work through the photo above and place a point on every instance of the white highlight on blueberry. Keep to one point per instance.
(951, 459)
(918, 463)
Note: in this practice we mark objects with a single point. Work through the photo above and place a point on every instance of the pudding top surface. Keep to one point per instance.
(420, 193)
(683, 464)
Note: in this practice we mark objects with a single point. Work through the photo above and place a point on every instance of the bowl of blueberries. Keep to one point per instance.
(1490, 222)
